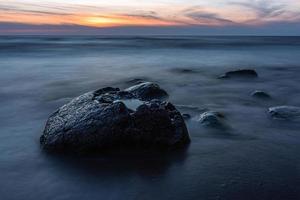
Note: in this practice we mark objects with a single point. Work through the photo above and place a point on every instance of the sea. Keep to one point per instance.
(256, 157)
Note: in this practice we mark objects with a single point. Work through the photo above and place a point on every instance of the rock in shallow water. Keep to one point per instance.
(260, 94)
(241, 73)
(285, 112)
(186, 116)
(109, 119)
(211, 119)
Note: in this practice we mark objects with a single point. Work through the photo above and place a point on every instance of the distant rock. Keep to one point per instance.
(184, 71)
(260, 94)
(211, 119)
(285, 112)
(147, 91)
(241, 73)
(111, 119)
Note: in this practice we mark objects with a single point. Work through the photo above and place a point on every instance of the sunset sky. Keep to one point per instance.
(92, 16)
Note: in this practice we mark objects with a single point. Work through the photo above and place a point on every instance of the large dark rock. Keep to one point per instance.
(285, 112)
(241, 73)
(147, 91)
(109, 119)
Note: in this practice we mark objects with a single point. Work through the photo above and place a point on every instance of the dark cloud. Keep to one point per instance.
(34, 12)
(263, 8)
(45, 9)
(201, 16)
(146, 15)
(152, 15)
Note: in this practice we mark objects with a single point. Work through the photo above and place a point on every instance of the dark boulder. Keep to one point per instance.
(241, 73)
(147, 91)
(285, 112)
(109, 119)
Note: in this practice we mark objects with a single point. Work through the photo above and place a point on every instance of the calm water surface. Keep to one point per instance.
(258, 158)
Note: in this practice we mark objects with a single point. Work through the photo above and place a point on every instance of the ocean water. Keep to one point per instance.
(258, 158)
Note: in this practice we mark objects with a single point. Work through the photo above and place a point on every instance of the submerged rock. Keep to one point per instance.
(186, 116)
(260, 94)
(147, 91)
(211, 119)
(285, 112)
(184, 71)
(110, 119)
(241, 73)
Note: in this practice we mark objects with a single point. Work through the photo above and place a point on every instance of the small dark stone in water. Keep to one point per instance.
(184, 71)
(241, 73)
(186, 116)
(260, 94)
(285, 112)
(211, 119)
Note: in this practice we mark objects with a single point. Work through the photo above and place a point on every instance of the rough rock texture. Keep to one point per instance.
(241, 73)
(211, 119)
(147, 91)
(260, 94)
(285, 112)
(101, 120)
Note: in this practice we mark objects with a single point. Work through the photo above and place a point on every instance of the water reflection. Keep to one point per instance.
(119, 163)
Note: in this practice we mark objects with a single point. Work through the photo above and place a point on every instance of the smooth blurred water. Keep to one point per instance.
(257, 159)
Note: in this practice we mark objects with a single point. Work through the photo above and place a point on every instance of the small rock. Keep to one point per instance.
(184, 71)
(147, 91)
(285, 112)
(260, 94)
(186, 116)
(241, 73)
(211, 119)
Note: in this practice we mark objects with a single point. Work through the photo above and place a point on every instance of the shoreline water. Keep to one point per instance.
(259, 159)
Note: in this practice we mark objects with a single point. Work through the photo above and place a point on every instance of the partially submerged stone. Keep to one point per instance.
(211, 119)
(109, 119)
(186, 116)
(260, 94)
(240, 73)
(285, 112)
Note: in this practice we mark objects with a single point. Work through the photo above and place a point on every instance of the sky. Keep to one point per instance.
(195, 17)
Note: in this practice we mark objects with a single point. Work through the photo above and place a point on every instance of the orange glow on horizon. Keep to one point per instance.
(84, 20)
(118, 20)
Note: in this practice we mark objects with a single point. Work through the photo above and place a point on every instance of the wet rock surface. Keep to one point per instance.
(111, 119)
(240, 73)
(285, 112)
(211, 119)
(147, 91)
